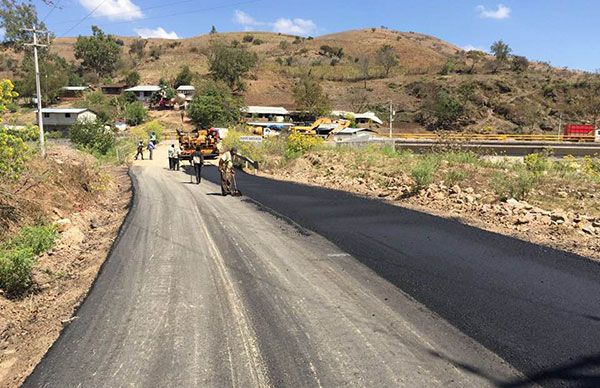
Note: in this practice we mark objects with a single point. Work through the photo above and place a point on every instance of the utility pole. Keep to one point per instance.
(392, 114)
(38, 88)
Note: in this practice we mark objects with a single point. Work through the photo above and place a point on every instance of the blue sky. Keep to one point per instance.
(562, 32)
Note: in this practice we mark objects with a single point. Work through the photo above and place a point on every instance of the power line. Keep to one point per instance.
(194, 11)
(54, 6)
(85, 17)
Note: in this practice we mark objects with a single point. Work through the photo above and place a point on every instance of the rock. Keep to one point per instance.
(58, 161)
(525, 219)
(559, 215)
(469, 199)
(486, 208)
(470, 190)
(439, 196)
(455, 189)
(514, 203)
(589, 229)
(596, 224)
(546, 220)
(94, 224)
(563, 194)
(63, 224)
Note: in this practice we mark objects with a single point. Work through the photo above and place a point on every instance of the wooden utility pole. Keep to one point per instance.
(38, 88)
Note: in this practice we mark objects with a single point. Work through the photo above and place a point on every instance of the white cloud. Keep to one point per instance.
(156, 33)
(470, 47)
(294, 26)
(113, 9)
(503, 12)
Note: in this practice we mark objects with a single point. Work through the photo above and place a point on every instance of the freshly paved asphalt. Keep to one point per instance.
(537, 308)
(314, 287)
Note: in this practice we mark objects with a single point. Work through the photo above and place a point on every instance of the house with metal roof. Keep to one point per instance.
(143, 92)
(61, 119)
(73, 91)
(114, 89)
(350, 134)
(189, 91)
(271, 113)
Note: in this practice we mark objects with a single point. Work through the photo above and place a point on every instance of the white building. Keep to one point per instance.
(143, 92)
(187, 90)
(61, 119)
(271, 113)
(350, 134)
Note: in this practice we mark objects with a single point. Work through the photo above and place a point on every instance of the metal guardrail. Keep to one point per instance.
(491, 137)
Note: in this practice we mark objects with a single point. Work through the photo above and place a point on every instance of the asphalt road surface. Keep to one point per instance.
(299, 286)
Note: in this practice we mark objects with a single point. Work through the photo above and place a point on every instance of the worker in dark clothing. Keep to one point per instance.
(171, 154)
(140, 150)
(198, 162)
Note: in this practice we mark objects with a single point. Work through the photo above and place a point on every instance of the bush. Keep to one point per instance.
(132, 78)
(423, 172)
(258, 42)
(536, 163)
(14, 154)
(248, 38)
(454, 177)
(93, 136)
(298, 144)
(143, 132)
(517, 187)
(284, 45)
(214, 106)
(135, 113)
(17, 257)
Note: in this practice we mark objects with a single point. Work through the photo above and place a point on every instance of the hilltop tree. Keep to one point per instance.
(387, 58)
(231, 64)
(520, 63)
(213, 30)
(309, 96)
(99, 53)
(14, 16)
(502, 52)
(475, 56)
(184, 77)
(214, 105)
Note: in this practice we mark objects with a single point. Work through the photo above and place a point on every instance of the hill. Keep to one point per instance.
(432, 76)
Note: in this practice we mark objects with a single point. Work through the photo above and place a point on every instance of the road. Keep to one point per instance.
(300, 286)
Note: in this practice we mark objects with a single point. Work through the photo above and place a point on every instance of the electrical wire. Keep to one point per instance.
(85, 17)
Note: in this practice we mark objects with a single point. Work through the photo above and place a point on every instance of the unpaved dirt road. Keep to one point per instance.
(202, 290)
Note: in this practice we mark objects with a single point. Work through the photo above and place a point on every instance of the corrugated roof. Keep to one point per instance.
(64, 110)
(75, 88)
(186, 87)
(144, 88)
(369, 116)
(267, 110)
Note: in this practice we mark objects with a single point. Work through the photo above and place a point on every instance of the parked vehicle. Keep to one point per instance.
(207, 139)
(579, 132)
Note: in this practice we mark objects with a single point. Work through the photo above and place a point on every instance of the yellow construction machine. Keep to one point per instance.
(324, 127)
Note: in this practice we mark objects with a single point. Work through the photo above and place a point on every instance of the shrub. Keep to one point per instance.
(536, 163)
(248, 38)
(132, 78)
(423, 172)
(17, 257)
(298, 144)
(135, 113)
(257, 42)
(93, 136)
(284, 44)
(156, 52)
(14, 154)
(454, 177)
(143, 132)
(517, 187)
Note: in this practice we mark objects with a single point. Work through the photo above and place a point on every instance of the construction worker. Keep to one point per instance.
(176, 159)
(227, 171)
(151, 148)
(171, 154)
(198, 162)
(140, 150)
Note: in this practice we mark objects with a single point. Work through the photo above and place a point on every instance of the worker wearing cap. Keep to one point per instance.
(227, 171)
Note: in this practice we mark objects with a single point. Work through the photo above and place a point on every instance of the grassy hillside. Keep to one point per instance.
(530, 100)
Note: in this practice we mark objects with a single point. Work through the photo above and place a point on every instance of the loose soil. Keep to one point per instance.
(90, 202)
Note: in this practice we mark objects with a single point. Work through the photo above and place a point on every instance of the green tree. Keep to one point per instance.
(135, 113)
(475, 56)
(54, 74)
(502, 52)
(99, 53)
(213, 30)
(309, 96)
(93, 135)
(520, 63)
(387, 58)
(14, 17)
(7, 94)
(184, 77)
(214, 105)
(230, 65)
(447, 110)
(132, 78)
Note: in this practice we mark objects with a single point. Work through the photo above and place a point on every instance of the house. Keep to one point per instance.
(113, 89)
(144, 92)
(188, 91)
(73, 91)
(352, 134)
(61, 119)
(270, 113)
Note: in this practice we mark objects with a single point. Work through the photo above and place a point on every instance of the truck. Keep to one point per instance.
(207, 139)
(579, 132)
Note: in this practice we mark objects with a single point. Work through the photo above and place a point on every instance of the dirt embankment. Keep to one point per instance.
(88, 202)
(558, 213)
